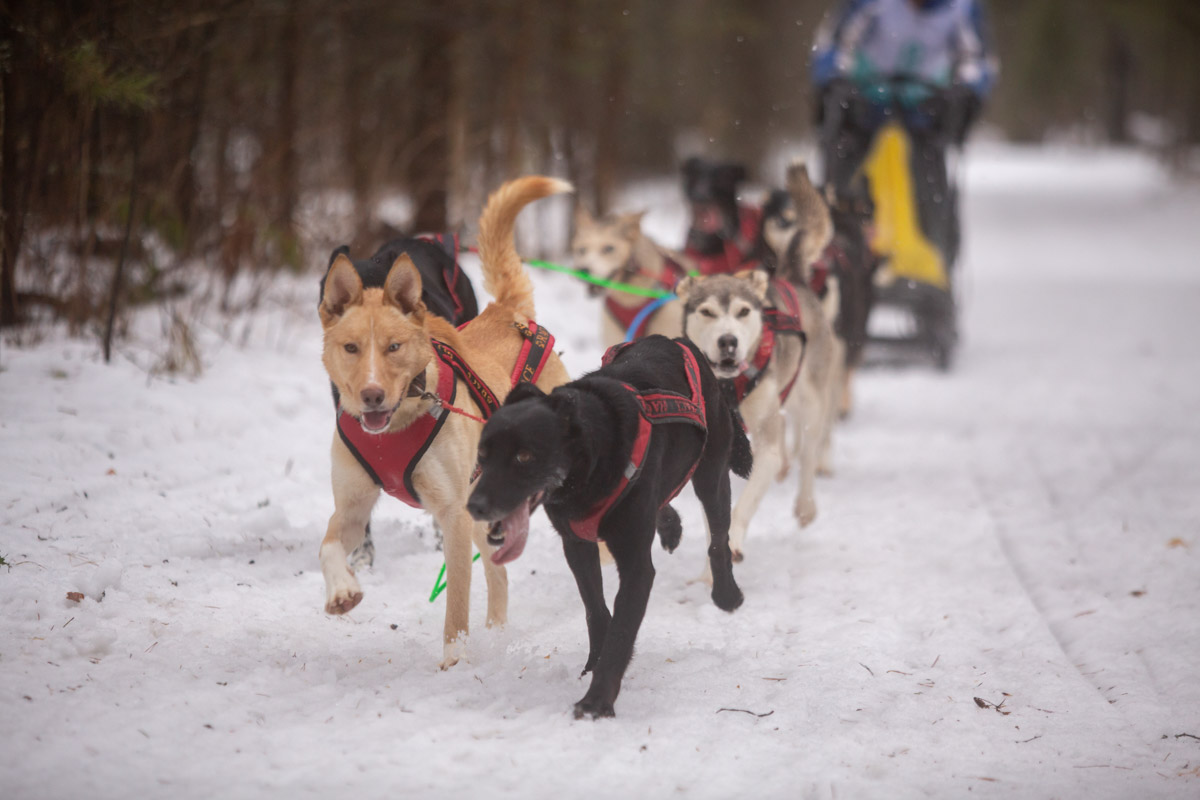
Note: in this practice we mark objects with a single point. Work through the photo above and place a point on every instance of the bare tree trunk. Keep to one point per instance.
(1118, 71)
(608, 130)
(429, 170)
(287, 180)
(118, 279)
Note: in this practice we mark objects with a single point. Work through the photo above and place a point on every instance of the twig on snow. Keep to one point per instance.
(747, 711)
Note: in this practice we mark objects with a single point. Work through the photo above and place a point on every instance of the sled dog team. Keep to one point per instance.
(471, 415)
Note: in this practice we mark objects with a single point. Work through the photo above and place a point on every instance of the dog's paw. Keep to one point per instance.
(728, 598)
(343, 600)
(805, 511)
(595, 709)
(825, 469)
(737, 555)
(451, 653)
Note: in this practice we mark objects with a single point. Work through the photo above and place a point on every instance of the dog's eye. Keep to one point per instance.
(350, 347)
(524, 457)
(580, 252)
(745, 312)
(607, 249)
(704, 312)
(393, 347)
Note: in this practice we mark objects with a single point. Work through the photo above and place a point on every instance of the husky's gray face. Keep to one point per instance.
(604, 247)
(723, 316)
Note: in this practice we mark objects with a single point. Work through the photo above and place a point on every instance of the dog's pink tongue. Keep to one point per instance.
(375, 421)
(516, 531)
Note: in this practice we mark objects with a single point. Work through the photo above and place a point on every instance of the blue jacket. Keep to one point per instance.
(941, 41)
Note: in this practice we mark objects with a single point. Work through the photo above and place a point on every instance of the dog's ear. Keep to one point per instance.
(402, 288)
(583, 217)
(684, 288)
(760, 282)
(631, 223)
(342, 289)
(343, 250)
(523, 391)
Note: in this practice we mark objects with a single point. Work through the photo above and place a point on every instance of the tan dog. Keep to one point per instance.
(728, 316)
(798, 236)
(379, 354)
(614, 247)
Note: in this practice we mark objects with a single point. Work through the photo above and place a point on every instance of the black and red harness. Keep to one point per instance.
(626, 316)
(832, 258)
(776, 322)
(655, 407)
(736, 252)
(452, 275)
(390, 458)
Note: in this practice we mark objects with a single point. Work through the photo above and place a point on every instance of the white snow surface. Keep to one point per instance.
(1022, 530)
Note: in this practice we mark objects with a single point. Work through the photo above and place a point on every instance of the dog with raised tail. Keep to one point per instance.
(412, 391)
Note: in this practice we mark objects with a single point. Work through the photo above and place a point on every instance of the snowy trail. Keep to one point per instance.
(1023, 531)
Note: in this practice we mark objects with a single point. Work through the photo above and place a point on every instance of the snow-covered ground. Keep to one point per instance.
(1022, 531)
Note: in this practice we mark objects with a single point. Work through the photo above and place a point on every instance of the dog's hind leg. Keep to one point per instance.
(767, 462)
(364, 555)
(496, 577)
(636, 573)
(584, 560)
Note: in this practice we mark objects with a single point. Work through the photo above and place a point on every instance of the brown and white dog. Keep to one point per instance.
(614, 247)
(379, 351)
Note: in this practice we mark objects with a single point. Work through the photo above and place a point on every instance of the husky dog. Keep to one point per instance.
(397, 371)
(614, 247)
(775, 343)
(797, 244)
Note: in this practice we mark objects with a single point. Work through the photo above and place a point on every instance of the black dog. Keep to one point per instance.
(445, 290)
(606, 453)
(722, 231)
(853, 262)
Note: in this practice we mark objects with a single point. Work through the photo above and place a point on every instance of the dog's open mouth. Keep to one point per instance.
(376, 421)
(510, 533)
(728, 367)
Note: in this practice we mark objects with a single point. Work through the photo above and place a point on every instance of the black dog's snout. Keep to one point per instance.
(727, 344)
(477, 507)
(372, 396)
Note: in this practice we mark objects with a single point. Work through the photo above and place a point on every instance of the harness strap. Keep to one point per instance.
(449, 243)
(658, 407)
(776, 321)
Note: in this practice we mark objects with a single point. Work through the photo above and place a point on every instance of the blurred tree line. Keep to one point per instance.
(140, 136)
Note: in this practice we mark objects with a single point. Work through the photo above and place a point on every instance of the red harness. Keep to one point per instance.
(390, 458)
(775, 321)
(625, 315)
(655, 408)
(833, 257)
(737, 251)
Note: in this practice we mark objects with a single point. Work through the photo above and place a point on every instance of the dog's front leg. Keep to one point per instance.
(354, 495)
(495, 575)
(456, 543)
(584, 560)
(809, 412)
(711, 484)
(636, 575)
(767, 460)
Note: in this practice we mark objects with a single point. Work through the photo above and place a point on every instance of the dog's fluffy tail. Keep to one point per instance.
(503, 276)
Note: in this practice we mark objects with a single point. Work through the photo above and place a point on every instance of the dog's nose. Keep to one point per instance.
(727, 344)
(476, 506)
(372, 396)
